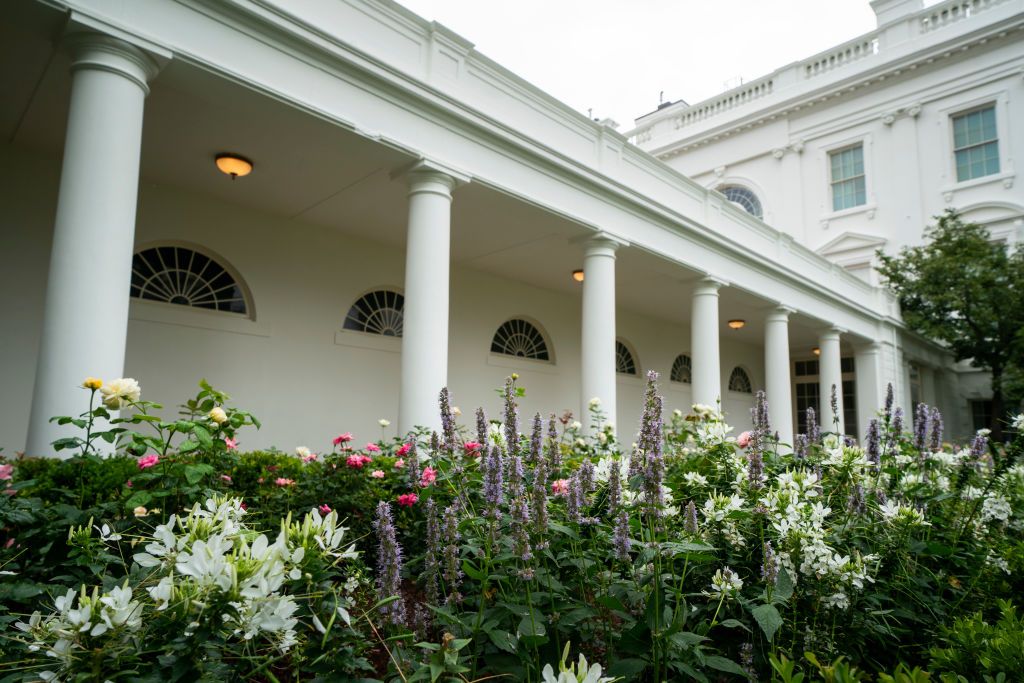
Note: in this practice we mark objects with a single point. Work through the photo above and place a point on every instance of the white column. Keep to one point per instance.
(85, 321)
(870, 390)
(830, 373)
(778, 381)
(597, 346)
(425, 320)
(707, 367)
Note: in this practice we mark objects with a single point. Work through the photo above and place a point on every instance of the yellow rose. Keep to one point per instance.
(92, 383)
(218, 415)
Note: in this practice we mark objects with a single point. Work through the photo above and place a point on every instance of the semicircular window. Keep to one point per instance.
(625, 363)
(378, 312)
(682, 369)
(520, 338)
(739, 381)
(184, 277)
(744, 197)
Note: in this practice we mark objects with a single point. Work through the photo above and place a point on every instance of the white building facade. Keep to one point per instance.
(857, 148)
(414, 219)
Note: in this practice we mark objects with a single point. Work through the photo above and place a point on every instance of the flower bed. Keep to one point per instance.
(490, 548)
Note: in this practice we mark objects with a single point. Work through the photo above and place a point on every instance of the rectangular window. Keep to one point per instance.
(850, 406)
(981, 414)
(975, 144)
(806, 397)
(847, 173)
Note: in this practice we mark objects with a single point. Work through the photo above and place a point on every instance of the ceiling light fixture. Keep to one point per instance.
(577, 275)
(737, 324)
(816, 351)
(234, 165)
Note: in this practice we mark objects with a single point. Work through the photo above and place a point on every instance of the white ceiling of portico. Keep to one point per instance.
(312, 171)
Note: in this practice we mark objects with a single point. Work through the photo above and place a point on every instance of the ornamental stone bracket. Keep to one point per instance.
(912, 111)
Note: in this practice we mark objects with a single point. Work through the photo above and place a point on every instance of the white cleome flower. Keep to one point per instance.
(726, 582)
(117, 393)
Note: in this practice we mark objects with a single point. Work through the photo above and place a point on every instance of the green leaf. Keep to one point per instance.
(471, 571)
(203, 436)
(783, 587)
(532, 628)
(188, 446)
(724, 664)
(733, 623)
(194, 473)
(503, 640)
(768, 619)
(142, 498)
(627, 668)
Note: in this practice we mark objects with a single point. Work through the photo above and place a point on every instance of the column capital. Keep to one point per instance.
(831, 333)
(427, 175)
(708, 286)
(868, 348)
(102, 52)
(780, 314)
(600, 243)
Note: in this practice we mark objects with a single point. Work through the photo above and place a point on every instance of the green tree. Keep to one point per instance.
(966, 291)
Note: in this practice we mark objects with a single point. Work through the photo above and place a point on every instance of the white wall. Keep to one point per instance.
(293, 366)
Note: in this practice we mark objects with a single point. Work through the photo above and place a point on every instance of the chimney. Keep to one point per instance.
(888, 11)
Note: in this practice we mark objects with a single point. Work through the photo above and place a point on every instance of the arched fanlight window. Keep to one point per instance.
(682, 370)
(378, 312)
(744, 197)
(520, 338)
(739, 381)
(625, 361)
(185, 277)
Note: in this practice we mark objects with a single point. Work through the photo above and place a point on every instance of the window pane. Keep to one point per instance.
(978, 161)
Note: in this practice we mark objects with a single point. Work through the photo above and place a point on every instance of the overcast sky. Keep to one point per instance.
(616, 56)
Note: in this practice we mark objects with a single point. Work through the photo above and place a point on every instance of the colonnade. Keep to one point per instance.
(86, 316)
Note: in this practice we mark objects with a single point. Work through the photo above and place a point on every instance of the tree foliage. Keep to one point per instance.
(966, 291)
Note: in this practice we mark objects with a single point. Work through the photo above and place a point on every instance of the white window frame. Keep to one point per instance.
(1000, 99)
(866, 141)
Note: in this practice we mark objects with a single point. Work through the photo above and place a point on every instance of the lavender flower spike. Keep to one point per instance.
(447, 422)
(389, 565)
(481, 427)
(690, 525)
(554, 448)
(431, 561)
(936, 427)
(874, 452)
(889, 397)
(511, 417)
(920, 427)
(769, 564)
(897, 422)
(813, 430)
(452, 561)
(492, 475)
(834, 404)
(620, 538)
(614, 487)
(540, 500)
(536, 439)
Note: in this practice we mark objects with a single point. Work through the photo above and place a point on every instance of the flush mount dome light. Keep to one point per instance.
(234, 165)
(577, 275)
(737, 324)
(816, 351)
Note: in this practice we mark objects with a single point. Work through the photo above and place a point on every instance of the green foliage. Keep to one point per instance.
(964, 290)
(973, 646)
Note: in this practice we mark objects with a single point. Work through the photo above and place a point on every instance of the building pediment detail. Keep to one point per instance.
(850, 244)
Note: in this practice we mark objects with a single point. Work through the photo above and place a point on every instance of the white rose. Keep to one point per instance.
(302, 451)
(456, 411)
(577, 425)
(117, 393)
(595, 403)
(218, 415)
(384, 423)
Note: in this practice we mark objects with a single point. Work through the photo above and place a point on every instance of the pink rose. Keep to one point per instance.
(148, 461)
(377, 474)
(408, 499)
(230, 443)
(342, 438)
(560, 487)
(743, 440)
(473, 448)
(403, 450)
(225, 477)
(399, 464)
(281, 481)
(428, 477)
(243, 506)
(6, 472)
(373, 448)
(325, 508)
(309, 458)
(357, 460)
(128, 483)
